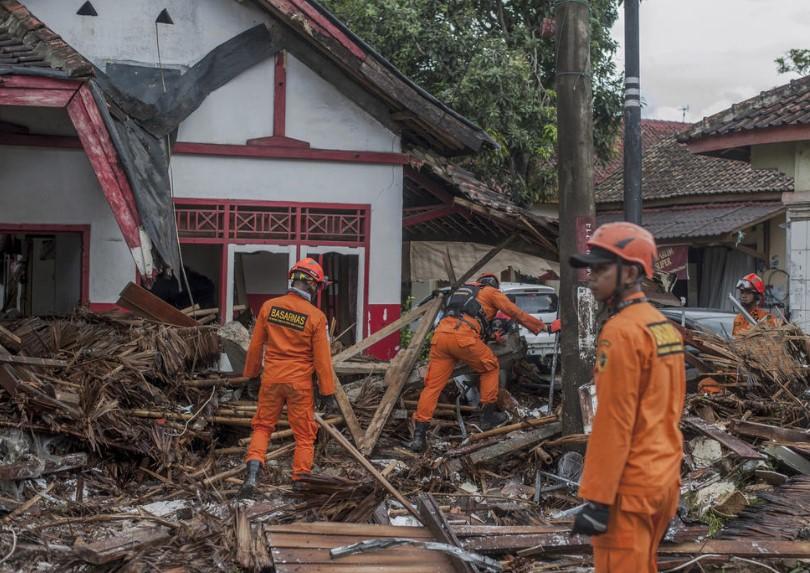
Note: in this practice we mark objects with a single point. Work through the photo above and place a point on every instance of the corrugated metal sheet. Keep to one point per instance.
(690, 222)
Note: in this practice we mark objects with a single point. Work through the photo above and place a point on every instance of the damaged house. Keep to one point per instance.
(715, 219)
(228, 137)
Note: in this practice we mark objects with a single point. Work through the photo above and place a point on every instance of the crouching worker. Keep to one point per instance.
(291, 336)
(631, 477)
(459, 337)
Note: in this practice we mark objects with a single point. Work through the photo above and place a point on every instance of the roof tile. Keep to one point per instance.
(670, 170)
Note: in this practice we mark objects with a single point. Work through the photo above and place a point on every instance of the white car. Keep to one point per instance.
(541, 302)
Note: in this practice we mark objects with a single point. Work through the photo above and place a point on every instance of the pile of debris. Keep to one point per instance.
(122, 442)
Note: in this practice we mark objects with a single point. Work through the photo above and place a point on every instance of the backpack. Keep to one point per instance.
(464, 300)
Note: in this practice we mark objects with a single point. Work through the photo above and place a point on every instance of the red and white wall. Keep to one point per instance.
(276, 137)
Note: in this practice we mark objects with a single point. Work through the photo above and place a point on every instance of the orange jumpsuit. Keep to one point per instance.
(634, 453)
(459, 339)
(290, 334)
(741, 324)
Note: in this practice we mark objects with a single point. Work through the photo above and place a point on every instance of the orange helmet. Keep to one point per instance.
(625, 241)
(308, 270)
(752, 282)
(489, 279)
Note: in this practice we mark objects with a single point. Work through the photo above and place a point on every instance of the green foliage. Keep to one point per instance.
(795, 60)
(488, 61)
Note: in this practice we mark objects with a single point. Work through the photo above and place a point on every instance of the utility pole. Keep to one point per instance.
(632, 115)
(577, 221)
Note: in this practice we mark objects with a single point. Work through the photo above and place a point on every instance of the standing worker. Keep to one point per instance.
(752, 295)
(631, 477)
(290, 334)
(460, 337)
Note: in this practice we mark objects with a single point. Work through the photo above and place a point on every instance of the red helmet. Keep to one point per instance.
(488, 279)
(626, 241)
(309, 270)
(752, 282)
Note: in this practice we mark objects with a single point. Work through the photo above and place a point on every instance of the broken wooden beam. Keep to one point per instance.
(367, 465)
(122, 545)
(515, 443)
(34, 468)
(346, 409)
(532, 423)
(435, 521)
(384, 332)
(145, 304)
(790, 458)
(366, 368)
(9, 339)
(766, 432)
(736, 445)
(32, 361)
(397, 376)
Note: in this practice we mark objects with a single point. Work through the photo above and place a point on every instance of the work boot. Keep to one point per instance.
(491, 418)
(419, 443)
(248, 489)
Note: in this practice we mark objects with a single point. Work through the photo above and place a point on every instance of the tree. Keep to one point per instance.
(795, 60)
(489, 60)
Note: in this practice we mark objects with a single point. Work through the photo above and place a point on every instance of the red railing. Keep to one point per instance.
(232, 222)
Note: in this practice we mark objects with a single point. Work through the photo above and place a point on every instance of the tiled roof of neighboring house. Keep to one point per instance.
(670, 170)
(696, 221)
(788, 104)
(652, 131)
(25, 42)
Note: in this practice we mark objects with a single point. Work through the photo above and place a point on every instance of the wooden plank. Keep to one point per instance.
(384, 332)
(343, 368)
(367, 465)
(397, 376)
(345, 406)
(790, 458)
(448, 266)
(534, 422)
(360, 530)
(509, 543)
(144, 303)
(766, 432)
(514, 443)
(736, 445)
(355, 568)
(9, 380)
(35, 468)
(392, 556)
(327, 540)
(747, 547)
(9, 339)
(32, 361)
(120, 546)
(434, 520)
(487, 530)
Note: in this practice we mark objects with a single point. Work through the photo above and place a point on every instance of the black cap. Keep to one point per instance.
(597, 256)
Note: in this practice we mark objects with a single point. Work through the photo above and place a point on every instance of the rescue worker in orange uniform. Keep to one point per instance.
(289, 344)
(459, 337)
(631, 477)
(752, 294)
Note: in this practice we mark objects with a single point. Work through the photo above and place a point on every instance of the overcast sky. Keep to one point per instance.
(708, 54)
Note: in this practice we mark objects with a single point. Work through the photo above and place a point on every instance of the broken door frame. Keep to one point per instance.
(45, 229)
(233, 249)
(362, 278)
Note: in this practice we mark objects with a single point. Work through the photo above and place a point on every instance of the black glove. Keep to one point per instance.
(328, 404)
(592, 519)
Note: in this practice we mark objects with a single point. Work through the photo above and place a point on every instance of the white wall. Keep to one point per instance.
(58, 187)
(318, 113)
(125, 30)
(310, 181)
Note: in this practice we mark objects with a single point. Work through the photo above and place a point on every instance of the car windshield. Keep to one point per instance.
(719, 325)
(535, 302)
